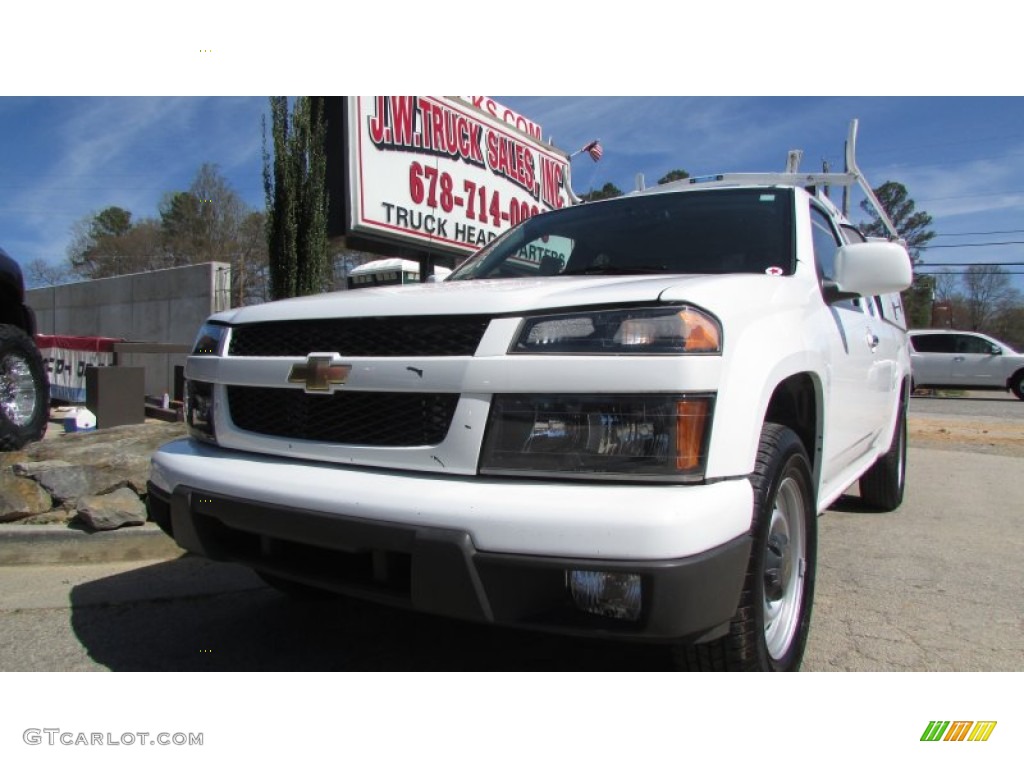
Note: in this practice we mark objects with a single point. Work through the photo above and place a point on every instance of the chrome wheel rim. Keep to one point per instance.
(17, 390)
(784, 568)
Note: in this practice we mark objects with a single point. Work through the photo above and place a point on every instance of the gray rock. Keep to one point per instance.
(32, 468)
(11, 458)
(106, 445)
(55, 515)
(111, 510)
(76, 465)
(20, 497)
(69, 482)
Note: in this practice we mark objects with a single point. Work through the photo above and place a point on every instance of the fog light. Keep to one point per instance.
(616, 595)
(199, 410)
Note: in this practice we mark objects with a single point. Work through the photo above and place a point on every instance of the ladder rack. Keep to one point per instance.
(852, 176)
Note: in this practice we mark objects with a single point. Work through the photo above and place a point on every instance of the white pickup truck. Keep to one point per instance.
(618, 419)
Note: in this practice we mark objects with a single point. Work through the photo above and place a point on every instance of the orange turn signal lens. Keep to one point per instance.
(702, 333)
(691, 421)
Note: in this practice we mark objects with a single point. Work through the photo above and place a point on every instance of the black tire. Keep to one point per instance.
(295, 589)
(1017, 385)
(24, 390)
(769, 630)
(882, 486)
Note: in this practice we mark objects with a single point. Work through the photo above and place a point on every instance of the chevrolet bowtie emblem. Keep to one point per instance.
(319, 373)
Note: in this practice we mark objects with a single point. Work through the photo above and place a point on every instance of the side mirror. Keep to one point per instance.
(869, 269)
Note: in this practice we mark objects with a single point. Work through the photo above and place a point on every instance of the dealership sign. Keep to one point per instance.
(437, 172)
(491, 107)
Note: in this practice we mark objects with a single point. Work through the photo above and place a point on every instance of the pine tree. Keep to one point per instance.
(295, 188)
(912, 226)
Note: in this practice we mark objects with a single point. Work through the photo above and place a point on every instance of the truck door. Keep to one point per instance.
(857, 375)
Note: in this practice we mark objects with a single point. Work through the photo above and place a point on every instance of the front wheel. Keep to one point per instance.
(24, 390)
(769, 631)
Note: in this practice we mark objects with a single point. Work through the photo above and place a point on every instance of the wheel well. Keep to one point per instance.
(11, 311)
(794, 404)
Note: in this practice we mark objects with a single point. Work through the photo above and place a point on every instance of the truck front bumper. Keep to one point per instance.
(417, 558)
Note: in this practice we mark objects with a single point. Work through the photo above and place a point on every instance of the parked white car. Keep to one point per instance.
(965, 360)
(619, 419)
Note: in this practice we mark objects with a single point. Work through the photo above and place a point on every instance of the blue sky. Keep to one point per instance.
(962, 159)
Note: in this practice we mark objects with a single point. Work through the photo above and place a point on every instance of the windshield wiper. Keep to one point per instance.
(610, 269)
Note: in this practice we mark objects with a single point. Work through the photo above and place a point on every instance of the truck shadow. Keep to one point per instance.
(191, 614)
(853, 504)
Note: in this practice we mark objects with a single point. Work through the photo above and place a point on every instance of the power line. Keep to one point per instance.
(977, 194)
(964, 264)
(993, 232)
(968, 245)
(918, 271)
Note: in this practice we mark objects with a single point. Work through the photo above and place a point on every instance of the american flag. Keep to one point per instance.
(594, 150)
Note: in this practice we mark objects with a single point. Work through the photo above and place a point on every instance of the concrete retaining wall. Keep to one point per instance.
(166, 306)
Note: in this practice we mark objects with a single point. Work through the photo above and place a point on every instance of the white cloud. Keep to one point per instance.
(127, 152)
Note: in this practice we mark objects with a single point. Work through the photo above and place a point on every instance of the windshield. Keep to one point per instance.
(715, 231)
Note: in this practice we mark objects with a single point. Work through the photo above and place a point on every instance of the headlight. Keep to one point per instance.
(210, 339)
(642, 330)
(614, 436)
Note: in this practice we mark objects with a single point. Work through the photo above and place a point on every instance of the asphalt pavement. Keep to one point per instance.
(933, 586)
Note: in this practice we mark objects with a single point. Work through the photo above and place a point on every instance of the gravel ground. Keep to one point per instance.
(946, 433)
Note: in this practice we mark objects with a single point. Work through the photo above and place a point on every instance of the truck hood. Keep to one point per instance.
(517, 296)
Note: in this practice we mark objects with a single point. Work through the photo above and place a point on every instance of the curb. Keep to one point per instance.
(58, 545)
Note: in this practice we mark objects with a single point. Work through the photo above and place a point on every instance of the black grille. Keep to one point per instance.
(355, 418)
(361, 337)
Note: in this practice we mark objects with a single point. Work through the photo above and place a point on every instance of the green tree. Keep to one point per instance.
(180, 226)
(203, 224)
(208, 222)
(296, 193)
(677, 174)
(606, 192)
(911, 225)
(111, 222)
(108, 244)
